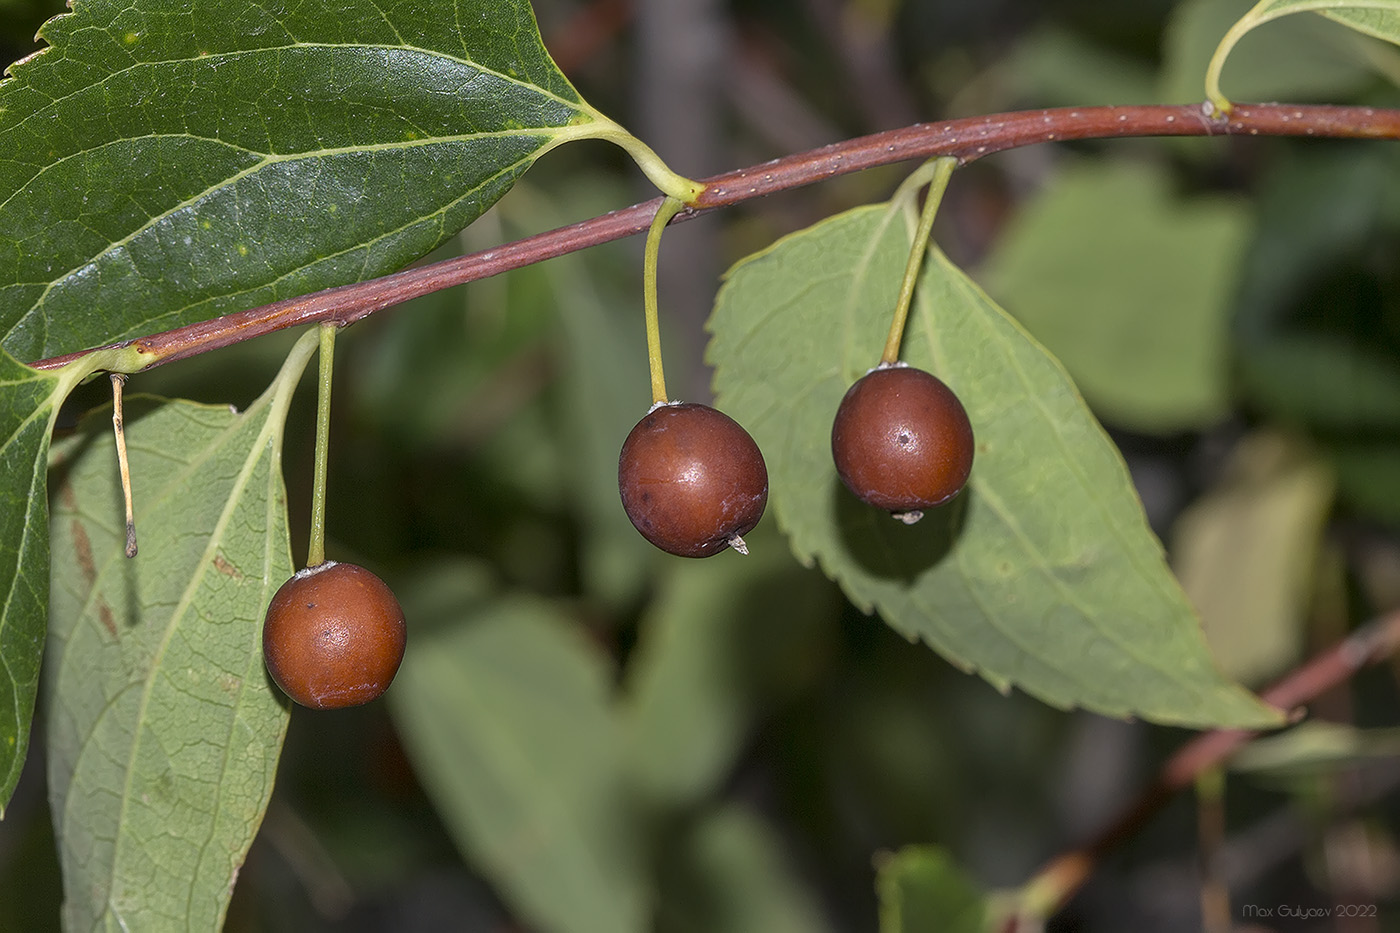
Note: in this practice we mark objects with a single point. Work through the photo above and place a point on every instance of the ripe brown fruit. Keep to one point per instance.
(902, 441)
(693, 481)
(333, 636)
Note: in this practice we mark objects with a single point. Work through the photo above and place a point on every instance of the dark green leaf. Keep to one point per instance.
(1043, 573)
(29, 402)
(163, 728)
(165, 163)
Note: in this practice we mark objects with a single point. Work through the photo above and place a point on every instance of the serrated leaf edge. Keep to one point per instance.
(63, 383)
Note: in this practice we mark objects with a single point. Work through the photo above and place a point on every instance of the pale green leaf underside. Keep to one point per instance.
(1378, 18)
(1129, 288)
(1296, 58)
(164, 730)
(1043, 573)
(505, 710)
(162, 163)
(28, 402)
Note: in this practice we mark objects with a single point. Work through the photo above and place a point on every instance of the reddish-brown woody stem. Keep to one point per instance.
(966, 139)
(1058, 881)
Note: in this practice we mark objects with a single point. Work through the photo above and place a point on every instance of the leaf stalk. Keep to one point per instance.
(652, 165)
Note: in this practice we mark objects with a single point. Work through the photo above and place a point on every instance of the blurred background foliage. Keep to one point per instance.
(1231, 310)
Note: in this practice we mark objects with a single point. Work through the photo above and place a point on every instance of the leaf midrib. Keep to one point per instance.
(182, 608)
(266, 159)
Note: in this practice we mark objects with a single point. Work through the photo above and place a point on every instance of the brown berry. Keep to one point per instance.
(902, 441)
(693, 481)
(333, 636)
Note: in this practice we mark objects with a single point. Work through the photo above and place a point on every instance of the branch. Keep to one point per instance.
(966, 140)
(1057, 882)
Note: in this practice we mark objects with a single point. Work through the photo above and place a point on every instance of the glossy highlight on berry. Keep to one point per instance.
(334, 636)
(902, 441)
(692, 480)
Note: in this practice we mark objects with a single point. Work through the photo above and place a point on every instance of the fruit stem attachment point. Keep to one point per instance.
(737, 543)
(316, 548)
(934, 173)
(123, 464)
(669, 208)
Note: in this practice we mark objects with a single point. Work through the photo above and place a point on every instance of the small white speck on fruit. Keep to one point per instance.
(670, 404)
(909, 518)
(897, 364)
